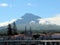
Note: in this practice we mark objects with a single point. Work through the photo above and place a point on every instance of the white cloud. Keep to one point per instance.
(12, 21)
(32, 22)
(7, 22)
(52, 20)
(4, 24)
(29, 4)
(3, 5)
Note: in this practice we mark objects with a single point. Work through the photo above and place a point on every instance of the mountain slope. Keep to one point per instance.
(27, 18)
(35, 22)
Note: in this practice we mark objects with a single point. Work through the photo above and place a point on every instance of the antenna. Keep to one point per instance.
(30, 29)
(25, 31)
(25, 28)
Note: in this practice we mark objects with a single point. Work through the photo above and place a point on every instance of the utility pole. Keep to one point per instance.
(30, 31)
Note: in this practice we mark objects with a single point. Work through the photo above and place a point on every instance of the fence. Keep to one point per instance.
(30, 42)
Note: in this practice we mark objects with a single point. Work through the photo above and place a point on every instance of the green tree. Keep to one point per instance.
(9, 30)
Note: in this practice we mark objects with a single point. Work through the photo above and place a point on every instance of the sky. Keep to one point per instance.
(13, 9)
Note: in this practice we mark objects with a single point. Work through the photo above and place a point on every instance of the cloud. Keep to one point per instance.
(32, 22)
(3, 5)
(4, 24)
(29, 4)
(52, 20)
(7, 22)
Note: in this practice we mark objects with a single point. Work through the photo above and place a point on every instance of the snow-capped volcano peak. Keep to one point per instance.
(27, 18)
(30, 15)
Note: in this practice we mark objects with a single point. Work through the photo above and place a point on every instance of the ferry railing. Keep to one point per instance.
(30, 42)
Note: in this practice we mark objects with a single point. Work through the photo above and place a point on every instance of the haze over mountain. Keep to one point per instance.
(36, 22)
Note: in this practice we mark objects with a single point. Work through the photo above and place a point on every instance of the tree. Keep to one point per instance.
(9, 30)
(15, 29)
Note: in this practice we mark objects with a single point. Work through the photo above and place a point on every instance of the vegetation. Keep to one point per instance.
(9, 32)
